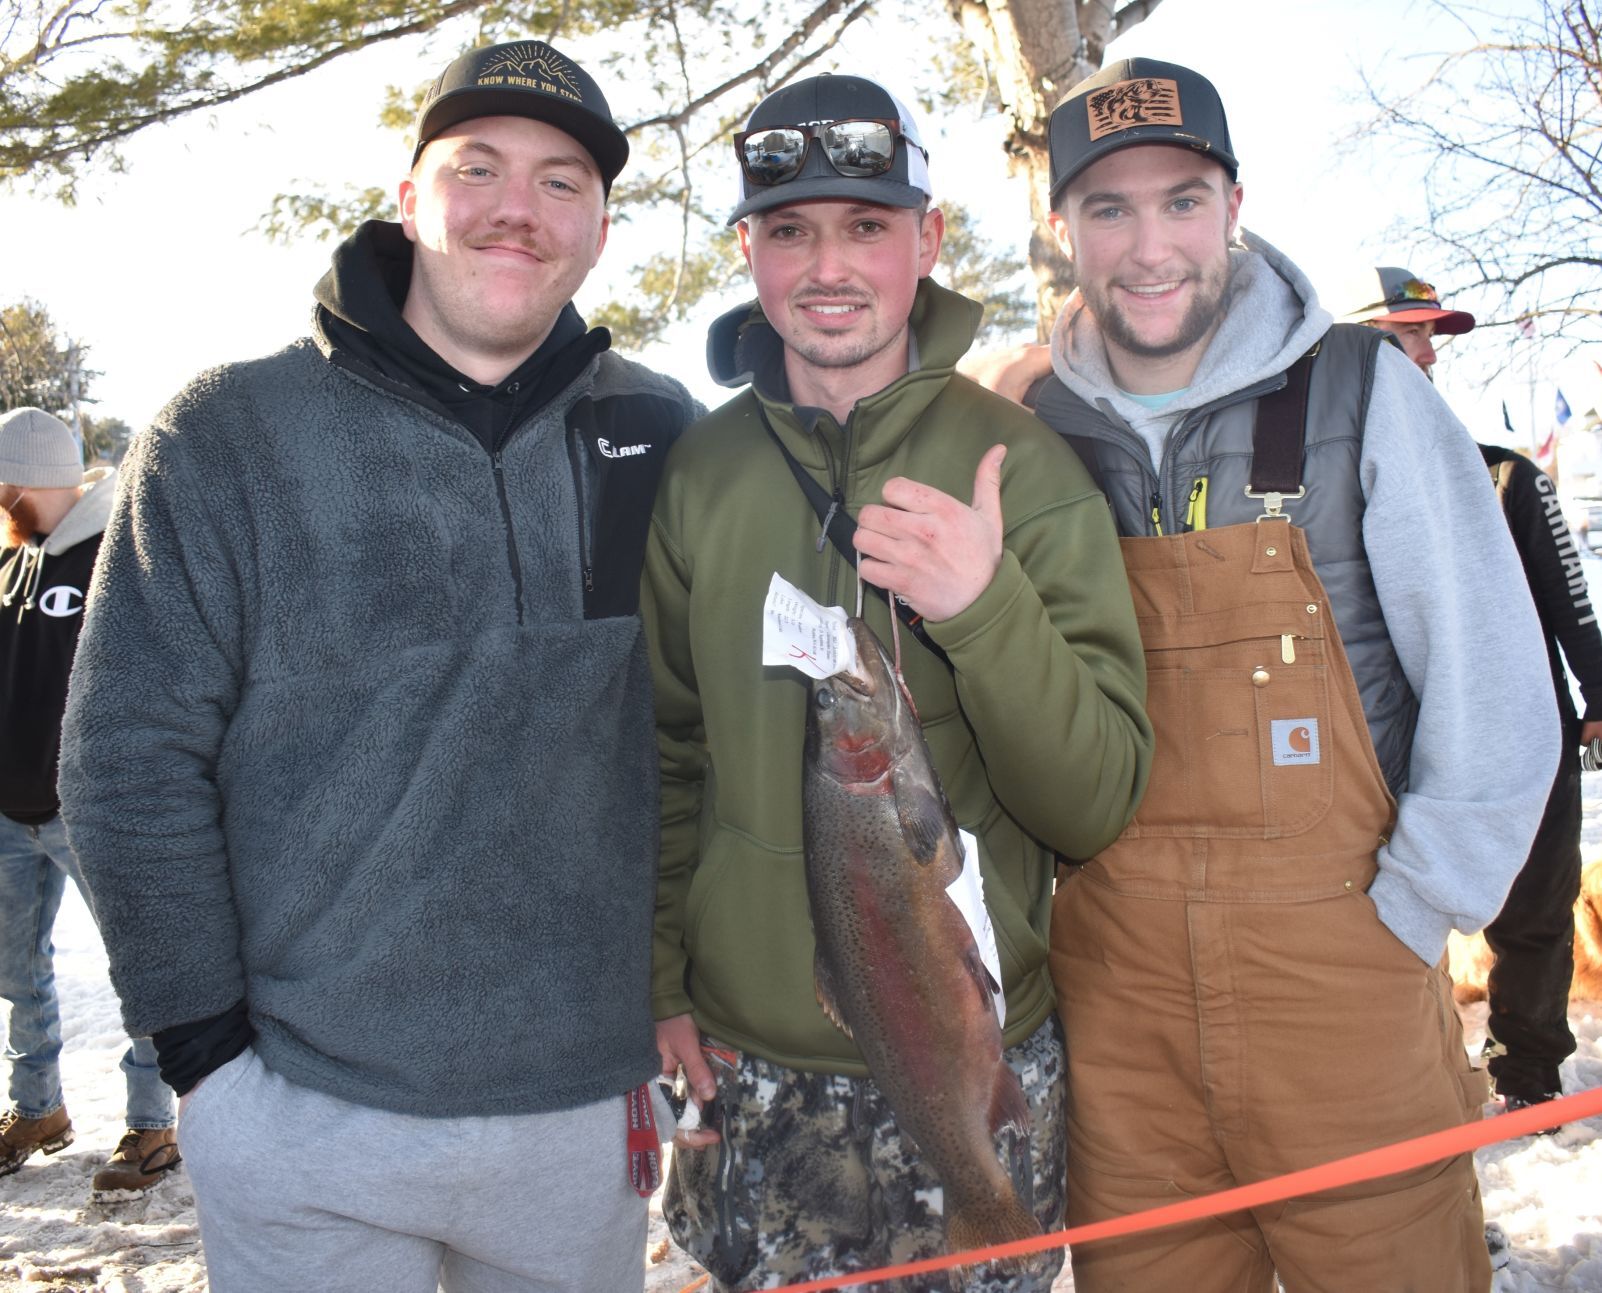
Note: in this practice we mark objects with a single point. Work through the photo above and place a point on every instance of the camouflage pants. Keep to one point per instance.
(813, 1178)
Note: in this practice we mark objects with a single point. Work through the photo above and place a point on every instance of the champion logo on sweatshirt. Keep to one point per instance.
(60, 601)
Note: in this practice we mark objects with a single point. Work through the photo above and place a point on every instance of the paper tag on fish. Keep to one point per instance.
(968, 892)
(798, 632)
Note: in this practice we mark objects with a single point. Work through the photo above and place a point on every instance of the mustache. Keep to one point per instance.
(506, 240)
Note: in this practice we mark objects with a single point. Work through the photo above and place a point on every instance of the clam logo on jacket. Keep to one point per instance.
(61, 601)
(1295, 740)
(608, 450)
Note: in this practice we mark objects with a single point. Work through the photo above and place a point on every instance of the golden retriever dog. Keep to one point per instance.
(1469, 959)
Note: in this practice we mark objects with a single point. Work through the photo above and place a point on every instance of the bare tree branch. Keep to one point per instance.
(79, 78)
(1508, 130)
(762, 69)
(1131, 15)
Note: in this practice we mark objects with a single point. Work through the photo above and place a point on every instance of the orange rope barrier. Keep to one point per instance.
(1385, 1161)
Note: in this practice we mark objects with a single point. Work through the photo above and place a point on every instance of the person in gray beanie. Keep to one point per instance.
(52, 515)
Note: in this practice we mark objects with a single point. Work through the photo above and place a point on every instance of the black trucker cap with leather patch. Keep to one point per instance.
(1136, 101)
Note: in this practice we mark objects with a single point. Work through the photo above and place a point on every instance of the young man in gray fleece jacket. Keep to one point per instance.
(361, 734)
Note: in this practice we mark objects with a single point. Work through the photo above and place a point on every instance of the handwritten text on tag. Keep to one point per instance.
(796, 631)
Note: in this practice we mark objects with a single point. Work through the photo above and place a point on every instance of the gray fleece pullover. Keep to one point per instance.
(1453, 594)
(341, 744)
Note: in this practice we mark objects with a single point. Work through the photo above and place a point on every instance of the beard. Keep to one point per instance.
(826, 351)
(1206, 308)
(18, 523)
(825, 356)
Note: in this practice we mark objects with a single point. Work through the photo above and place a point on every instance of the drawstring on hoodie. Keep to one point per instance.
(22, 574)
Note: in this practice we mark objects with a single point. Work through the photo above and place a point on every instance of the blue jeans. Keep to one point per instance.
(35, 862)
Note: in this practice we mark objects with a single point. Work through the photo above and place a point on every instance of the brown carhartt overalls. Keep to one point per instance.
(1234, 1007)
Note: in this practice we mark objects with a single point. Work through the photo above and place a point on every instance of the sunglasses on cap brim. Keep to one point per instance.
(858, 148)
(1414, 292)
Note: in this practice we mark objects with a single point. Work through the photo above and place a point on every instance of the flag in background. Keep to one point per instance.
(1546, 452)
(1526, 326)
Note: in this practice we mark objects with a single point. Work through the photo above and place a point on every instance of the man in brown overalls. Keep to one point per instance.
(1355, 738)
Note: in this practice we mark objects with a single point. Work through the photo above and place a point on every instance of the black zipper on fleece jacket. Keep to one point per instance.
(512, 558)
(413, 395)
(586, 567)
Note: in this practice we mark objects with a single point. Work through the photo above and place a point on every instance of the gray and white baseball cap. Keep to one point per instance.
(831, 136)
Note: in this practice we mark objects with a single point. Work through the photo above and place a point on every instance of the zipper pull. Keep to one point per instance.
(1287, 648)
(1157, 512)
(1196, 505)
(589, 579)
(828, 519)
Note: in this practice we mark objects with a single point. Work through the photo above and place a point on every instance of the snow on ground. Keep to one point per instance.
(1544, 1191)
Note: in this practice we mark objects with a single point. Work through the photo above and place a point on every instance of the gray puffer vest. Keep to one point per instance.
(1207, 456)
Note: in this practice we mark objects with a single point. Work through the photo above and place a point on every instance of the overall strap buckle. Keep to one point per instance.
(1273, 500)
(1279, 435)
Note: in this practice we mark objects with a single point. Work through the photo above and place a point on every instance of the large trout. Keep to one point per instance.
(897, 967)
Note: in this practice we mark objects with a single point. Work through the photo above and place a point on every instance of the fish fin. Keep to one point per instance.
(1003, 1217)
(999, 1220)
(823, 985)
(1009, 1110)
(979, 972)
(923, 819)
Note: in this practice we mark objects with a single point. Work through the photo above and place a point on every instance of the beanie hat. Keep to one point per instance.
(37, 451)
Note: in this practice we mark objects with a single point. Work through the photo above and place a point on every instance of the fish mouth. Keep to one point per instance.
(859, 685)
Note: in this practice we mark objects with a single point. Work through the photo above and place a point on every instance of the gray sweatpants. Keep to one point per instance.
(298, 1190)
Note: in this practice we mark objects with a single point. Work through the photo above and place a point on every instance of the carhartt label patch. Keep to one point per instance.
(1295, 740)
(1148, 101)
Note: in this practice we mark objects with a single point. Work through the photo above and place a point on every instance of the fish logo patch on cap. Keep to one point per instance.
(1147, 101)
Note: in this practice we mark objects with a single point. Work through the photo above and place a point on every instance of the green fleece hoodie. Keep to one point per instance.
(1036, 727)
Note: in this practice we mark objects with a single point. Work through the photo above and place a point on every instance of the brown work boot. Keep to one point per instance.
(140, 1159)
(20, 1137)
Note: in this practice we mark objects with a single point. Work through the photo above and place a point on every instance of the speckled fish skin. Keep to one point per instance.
(896, 965)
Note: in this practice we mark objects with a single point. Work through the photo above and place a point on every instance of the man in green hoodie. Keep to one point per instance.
(991, 532)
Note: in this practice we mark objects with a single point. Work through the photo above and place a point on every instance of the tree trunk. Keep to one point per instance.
(1037, 50)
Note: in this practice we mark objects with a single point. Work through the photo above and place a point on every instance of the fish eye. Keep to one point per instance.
(825, 698)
